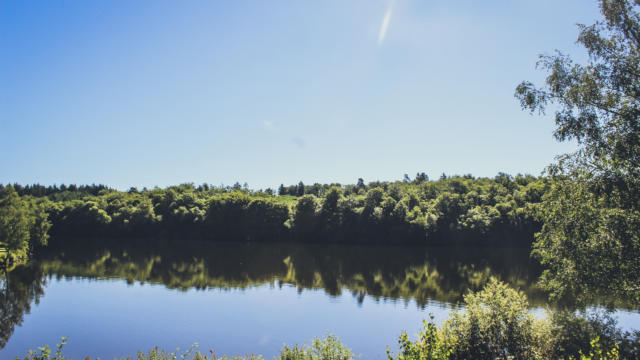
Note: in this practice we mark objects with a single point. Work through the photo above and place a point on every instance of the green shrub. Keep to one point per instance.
(293, 353)
(429, 346)
(596, 352)
(496, 324)
(44, 353)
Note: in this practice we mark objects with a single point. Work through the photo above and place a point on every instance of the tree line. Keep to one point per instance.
(451, 209)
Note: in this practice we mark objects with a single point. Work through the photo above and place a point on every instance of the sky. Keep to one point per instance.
(158, 93)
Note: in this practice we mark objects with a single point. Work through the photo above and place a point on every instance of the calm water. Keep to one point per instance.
(112, 300)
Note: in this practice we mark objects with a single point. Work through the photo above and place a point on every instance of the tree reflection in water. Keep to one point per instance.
(442, 274)
(18, 289)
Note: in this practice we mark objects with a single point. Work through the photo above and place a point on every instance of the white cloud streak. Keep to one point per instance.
(385, 24)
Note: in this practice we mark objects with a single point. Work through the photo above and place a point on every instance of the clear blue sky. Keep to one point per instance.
(144, 93)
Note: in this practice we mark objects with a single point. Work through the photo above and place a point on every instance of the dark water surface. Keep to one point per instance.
(114, 299)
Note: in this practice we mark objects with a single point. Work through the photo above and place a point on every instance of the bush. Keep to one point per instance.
(596, 352)
(44, 353)
(496, 325)
(429, 346)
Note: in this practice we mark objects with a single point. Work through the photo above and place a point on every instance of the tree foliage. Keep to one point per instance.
(429, 346)
(23, 227)
(451, 210)
(496, 324)
(591, 236)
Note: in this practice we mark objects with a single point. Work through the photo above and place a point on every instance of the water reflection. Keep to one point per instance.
(422, 274)
(17, 291)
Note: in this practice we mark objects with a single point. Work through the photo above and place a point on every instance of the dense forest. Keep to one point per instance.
(449, 210)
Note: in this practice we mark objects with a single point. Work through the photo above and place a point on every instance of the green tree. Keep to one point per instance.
(39, 229)
(329, 211)
(590, 241)
(420, 178)
(22, 227)
(372, 199)
(14, 227)
(305, 216)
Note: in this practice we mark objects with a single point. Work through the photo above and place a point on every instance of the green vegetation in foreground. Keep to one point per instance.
(590, 241)
(495, 325)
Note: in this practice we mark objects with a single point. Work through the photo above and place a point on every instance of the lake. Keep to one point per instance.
(112, 298)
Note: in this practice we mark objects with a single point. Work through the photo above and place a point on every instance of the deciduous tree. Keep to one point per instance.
(590, 241)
